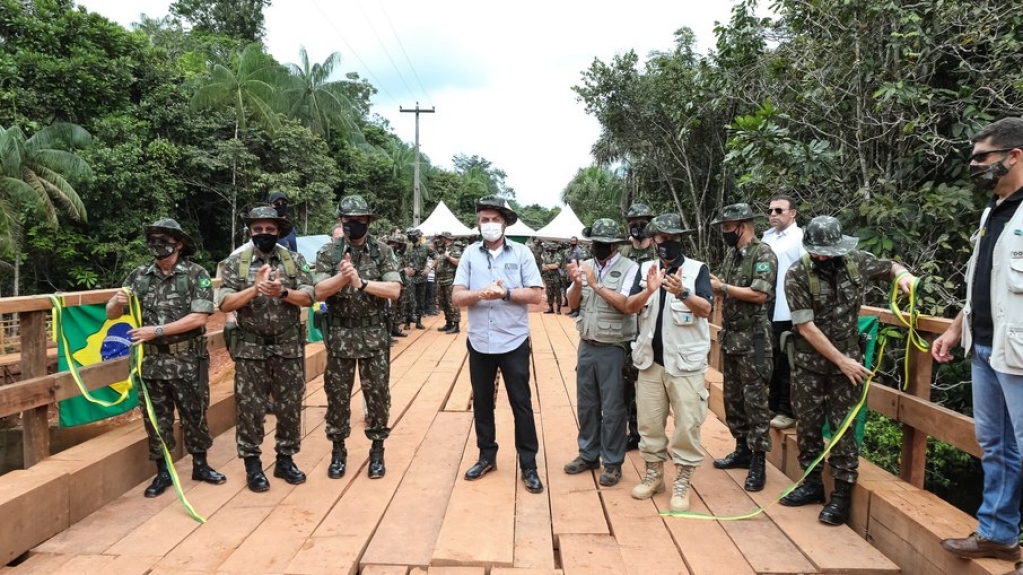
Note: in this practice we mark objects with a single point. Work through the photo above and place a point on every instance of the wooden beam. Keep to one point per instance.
(914, 441)
(925, 323)
(939, 422)
(34, 423)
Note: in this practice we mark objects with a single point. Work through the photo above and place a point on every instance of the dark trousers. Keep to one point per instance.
(514, 366)
(780, 389)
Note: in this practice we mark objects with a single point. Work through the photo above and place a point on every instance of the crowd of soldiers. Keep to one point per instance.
(791, 350)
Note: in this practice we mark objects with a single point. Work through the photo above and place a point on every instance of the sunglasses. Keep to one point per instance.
(981, 156)
(777, 211)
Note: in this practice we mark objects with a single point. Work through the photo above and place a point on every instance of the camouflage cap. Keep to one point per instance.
(173, 229)
(446, 236)
(355, 205)
(605, 231)
(639, 211)
(666, 224)
(498, 203)
(734, 213)
(267, 213)
(823, 237)
(397, 239)
(275, 196)
(413, 232)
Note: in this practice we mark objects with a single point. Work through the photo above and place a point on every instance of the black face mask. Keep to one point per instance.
(827, 266)
(669, 250)
(732, 238)
(355, 230)
(282, 210)
(161, 250)
(265, 242)
(602, 251)
(987, 177)
(636, 231)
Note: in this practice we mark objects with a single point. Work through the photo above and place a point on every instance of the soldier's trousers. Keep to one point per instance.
(745, 393)
(407, 304)
(629, 376)
(420, 302)
(451, 313)
(191, 396)
(817, 398)
(552, 285)
(338, 380)
(283, 379)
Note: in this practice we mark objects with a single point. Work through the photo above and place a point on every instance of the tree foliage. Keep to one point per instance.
(240, 19)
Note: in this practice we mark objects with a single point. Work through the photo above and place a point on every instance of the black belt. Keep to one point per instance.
(748, 322)
(173, 348)
(287, 336)
(350, 322)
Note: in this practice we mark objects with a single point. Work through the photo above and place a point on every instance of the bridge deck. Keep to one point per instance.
(422, 518)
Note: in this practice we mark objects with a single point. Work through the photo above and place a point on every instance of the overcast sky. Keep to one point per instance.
(498, 73)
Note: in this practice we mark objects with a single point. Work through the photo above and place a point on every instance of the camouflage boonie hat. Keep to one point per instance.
(173, 229)
(355, 206)
(267, 213)
(665, 224)
(498, 203)
(605, 231)
(397, 239)
(445, 235)
(734, 213)
(639, 211)
(823, 237)
(413, 232)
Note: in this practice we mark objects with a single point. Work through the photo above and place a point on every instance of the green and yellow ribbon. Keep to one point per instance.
(913, 337)
(61, 339)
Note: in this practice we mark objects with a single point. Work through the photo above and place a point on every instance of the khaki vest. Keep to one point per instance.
(686, 338)
(598, 320)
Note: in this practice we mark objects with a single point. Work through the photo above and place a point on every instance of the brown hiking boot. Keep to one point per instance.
(653, 481)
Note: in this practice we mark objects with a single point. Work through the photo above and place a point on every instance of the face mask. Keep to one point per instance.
(636, 231)
(602, 251)
(282, 210)
(400, 249)
(491, 231)
(827, 266)
(731, 238)
(264, 242)
(161, 250)
(355, 230)
(987, 177)
(669, 250)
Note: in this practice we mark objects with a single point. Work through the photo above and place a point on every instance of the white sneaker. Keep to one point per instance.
(781, 421)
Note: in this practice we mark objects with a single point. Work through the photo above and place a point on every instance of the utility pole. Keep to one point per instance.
(416, 198)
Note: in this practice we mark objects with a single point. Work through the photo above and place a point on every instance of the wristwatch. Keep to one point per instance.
(284, 293)
(158, 331)
(685, 294)
(507, 294)
(364, 284)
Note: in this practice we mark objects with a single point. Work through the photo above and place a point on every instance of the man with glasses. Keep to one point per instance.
(786, 239)
(989, 328)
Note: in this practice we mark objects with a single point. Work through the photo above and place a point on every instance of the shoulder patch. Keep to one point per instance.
(205, 282)
(763, 267)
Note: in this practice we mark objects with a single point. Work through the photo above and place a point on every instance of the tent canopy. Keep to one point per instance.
(520, 229)
(442, 220)
(563, 227)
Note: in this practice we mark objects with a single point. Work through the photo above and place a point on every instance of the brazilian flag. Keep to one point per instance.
(92, 338)
(868, 326)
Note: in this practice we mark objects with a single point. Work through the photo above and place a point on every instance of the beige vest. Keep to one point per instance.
(686, 338)
(598, 320)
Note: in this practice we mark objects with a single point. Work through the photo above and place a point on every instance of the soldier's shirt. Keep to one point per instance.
(168, 298)
(266, 316)
(639, 255)
(552, 258)
(444, 271)
(754, 266)
(349, 302)
(836, 310)
(418, 257)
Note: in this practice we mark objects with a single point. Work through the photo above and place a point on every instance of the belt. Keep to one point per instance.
(847, 344)
(173, 348)
(287, 336)
(748, 322)
(350, 322)
(595, 343)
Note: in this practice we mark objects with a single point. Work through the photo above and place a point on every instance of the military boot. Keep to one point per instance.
(680, 490)
(255, 479)
(550, 309)
(419, 323)
(653, 481)
(201, 470)
(811, 491)
(454, 328)
(738, 459)
(376, 459)
(408, 325)
(285, 469)
(836, 512)
(445, 327)
(162, 480)
(757, 472)
(338, 460)
(559, 310)
(396, 331)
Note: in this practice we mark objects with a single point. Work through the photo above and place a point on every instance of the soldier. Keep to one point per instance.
(573, 252)
(673, 297)
(640, 249)
(444, 274)
(176, 297)
(746, 291)
(417, 256)
(550, 270)
(356, 275)
(268, 285)
(600, 288)
(282, 206)
(825, 291)
(400, 308)
(498, 280)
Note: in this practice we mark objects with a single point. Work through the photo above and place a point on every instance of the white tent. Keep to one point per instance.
(442, 220)
(563, 227)
(520, 229)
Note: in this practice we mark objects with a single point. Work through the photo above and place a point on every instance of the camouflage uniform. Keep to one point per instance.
(552, 278)
(637, 214)
(444, 279)
(746, 341)
(417, 256)
(268, 351)
(401, 308)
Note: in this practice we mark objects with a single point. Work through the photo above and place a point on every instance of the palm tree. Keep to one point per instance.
(591, 192)
(319, 102)
(248, 85)
(34, 176)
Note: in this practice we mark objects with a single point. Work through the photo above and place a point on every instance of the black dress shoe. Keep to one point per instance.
(160, 483)
(255, 479)
(338, 463)
(481, 468)
(532, 481)
(285, 469)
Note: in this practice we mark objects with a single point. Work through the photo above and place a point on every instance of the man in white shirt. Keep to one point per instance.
(786, 239)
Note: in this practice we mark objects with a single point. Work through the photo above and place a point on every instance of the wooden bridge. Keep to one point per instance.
(81, 511)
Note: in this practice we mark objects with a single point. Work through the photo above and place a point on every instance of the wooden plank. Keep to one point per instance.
(590, 554)
(914, 441)
(385, 570)
(40, 564)
(34, 422)
(524, 571)
(106, 565)
(408, 531)
(942, 423)
(33, 303)
(34, 504)
(534, 538)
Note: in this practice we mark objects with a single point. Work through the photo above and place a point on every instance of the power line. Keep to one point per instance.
(383, 8)
(384, 47)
